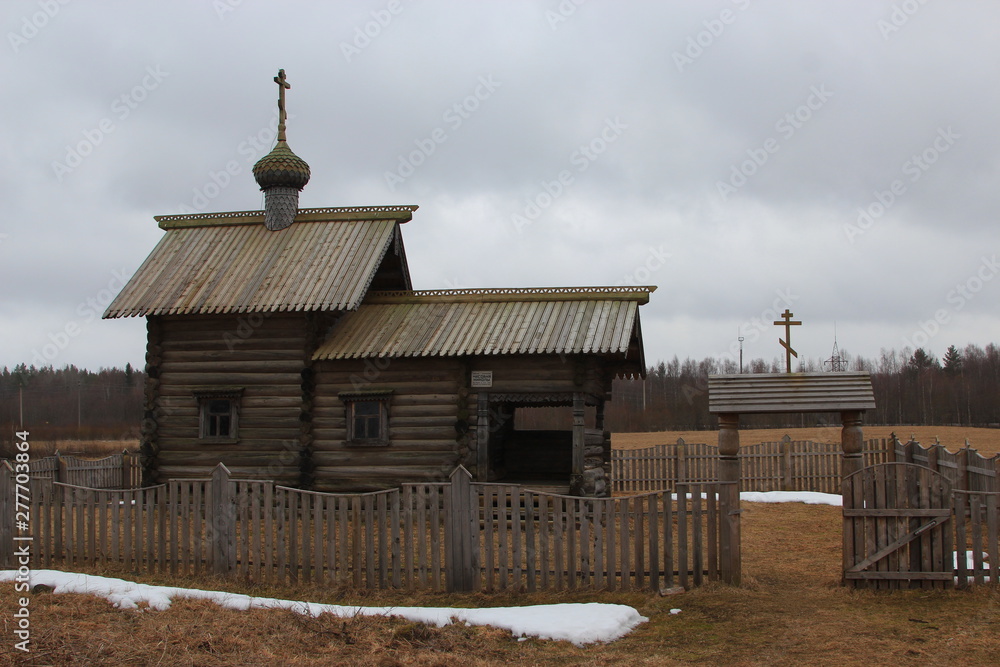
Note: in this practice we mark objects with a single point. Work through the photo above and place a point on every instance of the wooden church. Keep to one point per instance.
(290, 345)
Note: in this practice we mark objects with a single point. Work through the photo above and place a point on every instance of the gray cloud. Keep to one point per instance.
(759, 147)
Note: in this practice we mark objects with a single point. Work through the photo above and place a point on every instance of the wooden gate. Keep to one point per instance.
(897, 528)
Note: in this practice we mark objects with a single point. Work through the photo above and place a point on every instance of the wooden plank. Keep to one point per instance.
(584, 517)
(530, 544)
(571, 542)
(394, 519)
(652, 516)
(558, 540)
(683, 564)
(408, 538)
(382, 517)
(545, 517)
(435, 517)
(517, 504)
(503, 530)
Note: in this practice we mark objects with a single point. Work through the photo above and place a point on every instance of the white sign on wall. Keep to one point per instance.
(482, 378)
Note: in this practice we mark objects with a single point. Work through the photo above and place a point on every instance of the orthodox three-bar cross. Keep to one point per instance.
(282, 85)
(787, 343)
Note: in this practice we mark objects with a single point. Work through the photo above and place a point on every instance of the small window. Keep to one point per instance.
(219, 418)
(218, 413)
(367, 416)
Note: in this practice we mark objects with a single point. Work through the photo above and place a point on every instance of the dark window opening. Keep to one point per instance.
(367, 417)
(218, 413)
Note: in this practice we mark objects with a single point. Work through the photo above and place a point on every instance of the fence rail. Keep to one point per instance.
(458, 535)
(117, 471)
(792, 465)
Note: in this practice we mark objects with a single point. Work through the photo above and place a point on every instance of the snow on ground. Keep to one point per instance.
(580, 623)
(807, 497)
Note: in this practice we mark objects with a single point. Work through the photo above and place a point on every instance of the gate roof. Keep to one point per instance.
(757, 393)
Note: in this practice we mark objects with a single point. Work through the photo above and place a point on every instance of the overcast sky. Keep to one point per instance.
(841, 159)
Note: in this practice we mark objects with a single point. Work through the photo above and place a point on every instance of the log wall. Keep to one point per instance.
(264, 354)
(425, 445)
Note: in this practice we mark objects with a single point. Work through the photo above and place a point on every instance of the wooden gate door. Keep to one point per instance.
(897, 528)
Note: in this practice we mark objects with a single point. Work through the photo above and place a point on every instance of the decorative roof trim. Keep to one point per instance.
(400, 214)
(494, 294)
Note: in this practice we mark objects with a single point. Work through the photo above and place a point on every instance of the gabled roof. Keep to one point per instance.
(231, 263)
(589, 320)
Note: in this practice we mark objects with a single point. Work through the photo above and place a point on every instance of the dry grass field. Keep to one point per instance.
(791, 610)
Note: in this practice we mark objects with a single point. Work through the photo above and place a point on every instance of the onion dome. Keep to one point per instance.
(281, 168)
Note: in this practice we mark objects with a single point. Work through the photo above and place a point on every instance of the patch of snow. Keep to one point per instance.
(579, 623)
(807, 497)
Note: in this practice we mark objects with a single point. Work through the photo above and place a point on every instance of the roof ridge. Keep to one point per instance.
(402, 213)
(637, 293)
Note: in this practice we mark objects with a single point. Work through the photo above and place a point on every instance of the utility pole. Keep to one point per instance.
(740, 339)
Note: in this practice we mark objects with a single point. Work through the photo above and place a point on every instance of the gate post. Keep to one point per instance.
(461, 534)
(851, 441)
(731, 565)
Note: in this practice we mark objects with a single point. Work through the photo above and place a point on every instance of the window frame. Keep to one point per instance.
(205, 398)
(351, 400)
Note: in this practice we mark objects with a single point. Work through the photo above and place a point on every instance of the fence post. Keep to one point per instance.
(222, 529)
(786, 464)
(461, 534)
(126, 470)
(58, 474)
(729, 499)
(681, 450)
(962, 460)
(7, 506)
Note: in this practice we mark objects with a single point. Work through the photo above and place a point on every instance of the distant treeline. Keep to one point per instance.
(911, 387)
(71, 403)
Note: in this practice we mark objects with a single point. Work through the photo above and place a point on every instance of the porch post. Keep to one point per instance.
(730, 555)
(482, 437)
(576, 472)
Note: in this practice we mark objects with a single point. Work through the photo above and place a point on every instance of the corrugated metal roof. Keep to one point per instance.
(790, 392)
(485, 322)
(232, 263)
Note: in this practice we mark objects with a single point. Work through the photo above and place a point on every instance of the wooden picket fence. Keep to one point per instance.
(977, 532)
(117, 471)
(792, 465)
(458, 535)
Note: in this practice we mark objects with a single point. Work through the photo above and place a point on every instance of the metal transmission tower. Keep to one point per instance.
(836, 363)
